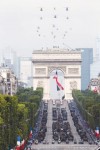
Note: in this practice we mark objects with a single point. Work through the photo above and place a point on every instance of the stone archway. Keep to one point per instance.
(55, 93)
(51, 68)
(69, 62)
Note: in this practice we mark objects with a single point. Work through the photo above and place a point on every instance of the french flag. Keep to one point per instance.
(59, 86)
(97, 132)
(18, 140)
(30, 135)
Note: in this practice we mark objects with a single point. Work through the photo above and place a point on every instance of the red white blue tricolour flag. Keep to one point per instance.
(97, 133)
(59, 86)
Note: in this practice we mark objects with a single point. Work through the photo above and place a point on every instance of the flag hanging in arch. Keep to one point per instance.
(59, 86)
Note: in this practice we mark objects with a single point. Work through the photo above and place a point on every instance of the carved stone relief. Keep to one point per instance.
(51, 68)
(73, 70)
(73, 85)
(40, 84)
(40, 71)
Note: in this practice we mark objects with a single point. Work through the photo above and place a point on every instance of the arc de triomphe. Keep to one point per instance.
(68, 61)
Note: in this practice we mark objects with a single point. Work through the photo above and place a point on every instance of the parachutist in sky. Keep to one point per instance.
(41, 18)
(55, 16)
(66, 8)
(41, 9)
(53, 25)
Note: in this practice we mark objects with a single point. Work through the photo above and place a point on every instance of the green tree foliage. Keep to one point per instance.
(88, 103)
(17, 115)
(8, 113)
(25, 94)
(22, 117)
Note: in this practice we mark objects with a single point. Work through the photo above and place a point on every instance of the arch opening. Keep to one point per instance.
(57, 87)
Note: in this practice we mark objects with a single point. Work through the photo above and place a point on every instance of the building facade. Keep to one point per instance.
(87, 60)
(69, 62)
(95, 69)
(25, 71)
(8, 82)
(96, 63)
(2, 85)
(9, 59)
(94, 85)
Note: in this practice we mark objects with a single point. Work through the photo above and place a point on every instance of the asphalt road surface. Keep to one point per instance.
(63, 145)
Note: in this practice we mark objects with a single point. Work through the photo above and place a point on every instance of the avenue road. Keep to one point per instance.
(62, 145)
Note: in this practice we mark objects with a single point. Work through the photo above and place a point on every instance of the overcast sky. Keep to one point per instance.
(24, 28)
